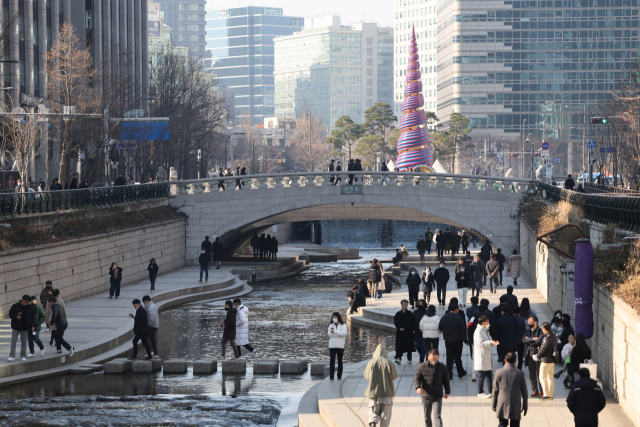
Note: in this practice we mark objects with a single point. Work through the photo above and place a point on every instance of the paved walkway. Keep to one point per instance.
(464, 408)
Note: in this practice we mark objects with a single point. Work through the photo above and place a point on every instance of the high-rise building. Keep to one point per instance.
(332, 70)
(421, 14)
(516, 67)
(187, 20)
(240, 45)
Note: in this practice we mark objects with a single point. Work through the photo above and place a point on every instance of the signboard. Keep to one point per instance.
(544, 154)
(153, 20)
(607, 150)
(549, 170)
(274, 229)
(556, 160)
(545, 145)
(626, 116)
(350, 189)
(144, 131)
(591, 145)
(274, 133)
(272, 11)
(131, 114)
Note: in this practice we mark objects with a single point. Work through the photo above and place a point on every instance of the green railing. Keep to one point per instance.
(52, 201)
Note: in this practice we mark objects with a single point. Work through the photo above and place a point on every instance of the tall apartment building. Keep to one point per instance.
(240, 44)
(187, 20)
(421, 14)
(332, 70)
(514, 67)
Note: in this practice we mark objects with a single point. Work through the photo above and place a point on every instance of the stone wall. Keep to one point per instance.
(616, 351)
(81, 267)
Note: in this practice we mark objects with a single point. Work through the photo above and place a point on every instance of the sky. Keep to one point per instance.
(350, 11)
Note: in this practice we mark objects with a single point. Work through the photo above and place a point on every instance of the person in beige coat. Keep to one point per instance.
(513, 269)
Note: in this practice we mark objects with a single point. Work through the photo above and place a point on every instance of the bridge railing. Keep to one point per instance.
(321, 179)
(623, 210)
(52, 201)
(593, 188)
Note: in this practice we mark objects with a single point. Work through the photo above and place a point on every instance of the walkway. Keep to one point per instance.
(464, 408)
(98, 325)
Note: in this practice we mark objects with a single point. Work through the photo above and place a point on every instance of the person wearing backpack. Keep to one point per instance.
(548, 357)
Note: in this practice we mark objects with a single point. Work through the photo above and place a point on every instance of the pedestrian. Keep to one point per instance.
(154, 322)
(565, 359)
(580, 353)
(404, 322)
(513, 269)
(47, 313)
(37, 319)
(546, 356)
(463, 278)
(413, 285)
(350, 167)
(420, 344)
(42, 185)
(507, 333)
(429, 327)
(44, 294)
(242, 327)
(441, 276)
(381, 374)
(356, 300)
(440, 244)
(221, 181)
(485, 257)
(428, 283)
(512, 300)
(229, 334)
(421, 246)
(338, 169)
(120, 180)
(567, 330)
(254, 245)
(526, 310)
(204, 260)
(464, 241)
(510, 393)
(430, 379)
(274, 243)
(21, 319)
(556, 323)
(375, 277)
(586, 400)
(384, 168)
(218, 252)
(206, 245)
(74, 182)
(153, 273)
(493, 272)
(130, 180)
(262, 246)
(522, 329)
(140, 330)
(83, 183)
(116, 279)
(532, 341)
(569, 183)
(475, 282)
(238, 183)
(469, 311)
(482, 358)
(454, 333)
(332, 168)
(337, 336)
(59, 318)
(448, 237)
(501, 260)
(428, 237)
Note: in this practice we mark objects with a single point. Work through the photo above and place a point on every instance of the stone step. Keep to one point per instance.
(308, 410)
(359, 320)
(331, 405)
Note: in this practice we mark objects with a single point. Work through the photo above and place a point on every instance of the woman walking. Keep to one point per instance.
(513, 269)
(153, 273)
(337, 335)
(429, 327)
(116, 279)
(380, 373)
(526, 310)
(428, 283)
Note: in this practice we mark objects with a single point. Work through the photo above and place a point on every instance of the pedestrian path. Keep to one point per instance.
(463, 408)
(98, 325)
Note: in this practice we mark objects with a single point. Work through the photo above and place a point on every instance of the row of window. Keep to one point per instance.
(559, 4)
(254, 30)
(215, 22)
(583, 45)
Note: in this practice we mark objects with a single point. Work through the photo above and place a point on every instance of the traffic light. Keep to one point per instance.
(514, 154)
(598, 121)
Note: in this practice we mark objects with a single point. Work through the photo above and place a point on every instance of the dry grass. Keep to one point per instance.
(619, 272)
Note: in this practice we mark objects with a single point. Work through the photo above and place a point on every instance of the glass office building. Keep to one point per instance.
(240, 42)
(515, 67)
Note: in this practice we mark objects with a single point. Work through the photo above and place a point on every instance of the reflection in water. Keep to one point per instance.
(288, 319)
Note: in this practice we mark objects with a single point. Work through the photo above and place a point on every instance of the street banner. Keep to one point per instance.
(583, 287)
(153, 20)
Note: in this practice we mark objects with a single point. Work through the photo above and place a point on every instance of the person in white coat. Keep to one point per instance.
(337, 336)
(429, 327)
(482, 360)
(242, 327)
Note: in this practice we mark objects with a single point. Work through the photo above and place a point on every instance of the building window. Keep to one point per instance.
(369, 41)
(369, 82)
(369, 102)
(370, 62)
(369, 51)
(369, 71)
(369, 92)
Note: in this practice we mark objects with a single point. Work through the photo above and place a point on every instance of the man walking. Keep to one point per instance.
(547, 360)
(38, 318)
(229, 333)
(242, 327)
(512, 300)
(532, 341)
(441, 276)
(493, 271)
(413, 285)
(44, 295)
(507, 333)
(586, 400)
(430, 379)
(522, 328)
(454, 333)
(482, 360)
(255, 241)
(440, 243)
(218, 252)
(20, 314)
(153, 320)
(140, 330)
(404, 322)
(428, 237)
(569, 183)
(510, 393)
(204, 260)
(421, 345)
(501, 260)
(421, 246)
(59, 318)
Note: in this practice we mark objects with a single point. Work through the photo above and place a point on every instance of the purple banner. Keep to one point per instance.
(583, 285)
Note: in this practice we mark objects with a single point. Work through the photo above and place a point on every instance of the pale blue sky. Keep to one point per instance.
(350, 11)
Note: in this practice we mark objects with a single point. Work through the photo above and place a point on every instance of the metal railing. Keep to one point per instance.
(33, 202)
(592, 188)
(621, 210)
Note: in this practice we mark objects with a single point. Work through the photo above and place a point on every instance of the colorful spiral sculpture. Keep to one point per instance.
(413, 148)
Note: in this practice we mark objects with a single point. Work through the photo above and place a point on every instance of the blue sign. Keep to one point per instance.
(556, 160)
(591, 145)
(607, 149)
(545, 145)
(144, 131)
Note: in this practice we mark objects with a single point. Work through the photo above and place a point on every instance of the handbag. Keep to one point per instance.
(592, 367)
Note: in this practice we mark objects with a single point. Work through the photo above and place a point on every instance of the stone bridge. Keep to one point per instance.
(486, 205)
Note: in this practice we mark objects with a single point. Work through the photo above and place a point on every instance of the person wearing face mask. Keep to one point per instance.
(532, 340)
(413, 284)
(556, 323)
(441, 276)
(430, 379)
(153, 273)
(420, 344)
(428, 283)
(462, 283)
(38, 318)
(482, 360)
(405, 324)
(337, 336)
(116, 279)
(375, 277)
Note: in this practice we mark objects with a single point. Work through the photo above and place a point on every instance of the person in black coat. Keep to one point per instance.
(21, 315)
(204, 260)
(356, 299)
(255, 241)
(512, 300)
(375, 278)
(441, 276)
(274, 244)
(153, 273)
(567, 330)
(508, 333)
(522, 329)
(428, 284)
(569, 183)
(350, 167)
(115, 279)
(229, 333)
(586, 400)
(462, 279)
(497, 311)
(501, 260)
(448, 242)
(218, 252)
(413, 285)
(405, 323)
(440, 243)
(421, 246)
(140, 330)
(206, 245)
(262, 245)
(579, 354)
(464, 241)
(454, 333)
(74, 182)
(83, 183)
(421, 345)
(120, 180)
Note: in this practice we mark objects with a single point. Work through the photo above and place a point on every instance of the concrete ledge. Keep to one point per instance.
(116, 366)
(292, 367)
(142, 366)
(317, 368)
(205, 366)
(175, 366)
(236, 366)
(265, 368)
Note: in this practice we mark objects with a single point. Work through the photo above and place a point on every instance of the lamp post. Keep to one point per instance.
(225, 147)
(523, 123)
(533, 162)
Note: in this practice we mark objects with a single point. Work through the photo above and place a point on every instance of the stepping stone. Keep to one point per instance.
(115, 366)
(317, 368)
(269, 360)
(142, 366)
(265, 368)
(292, 367)
(156, 364)
(205, 366)
(327, 371)
(175, 366)
(305, 363)
(234, 366)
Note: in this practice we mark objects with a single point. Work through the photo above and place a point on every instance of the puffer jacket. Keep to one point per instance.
(58, 316)
(429, 326)
(337, 339)
(548, 345)
(375, 275)
(242, 325)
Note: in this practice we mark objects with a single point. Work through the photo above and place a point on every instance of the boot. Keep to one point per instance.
(557, 374)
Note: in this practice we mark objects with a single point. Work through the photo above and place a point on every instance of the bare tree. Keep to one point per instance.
(309, 146)
(24, 134)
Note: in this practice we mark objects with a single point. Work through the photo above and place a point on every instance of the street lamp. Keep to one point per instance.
(533, 162)
(225, 147)
(523, 124)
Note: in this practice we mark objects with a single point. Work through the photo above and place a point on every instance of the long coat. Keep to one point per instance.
(513, 269)
(242, 325)
(482, 344)
(509, 392)
(404, 339)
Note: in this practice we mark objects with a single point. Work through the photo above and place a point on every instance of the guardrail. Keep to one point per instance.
(604, 209)
(33, 202)
(592, 188)
(321, 179)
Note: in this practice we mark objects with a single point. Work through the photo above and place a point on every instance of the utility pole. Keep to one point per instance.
(523, 132)
(485, 157)
(310, 163)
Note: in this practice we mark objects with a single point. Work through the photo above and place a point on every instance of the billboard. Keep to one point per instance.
(153, 20)
(144, 131)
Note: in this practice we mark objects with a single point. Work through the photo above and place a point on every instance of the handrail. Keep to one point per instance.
(593, 188)
(540, 236)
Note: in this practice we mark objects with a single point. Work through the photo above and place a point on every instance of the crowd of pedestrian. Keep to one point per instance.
(265, 247)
